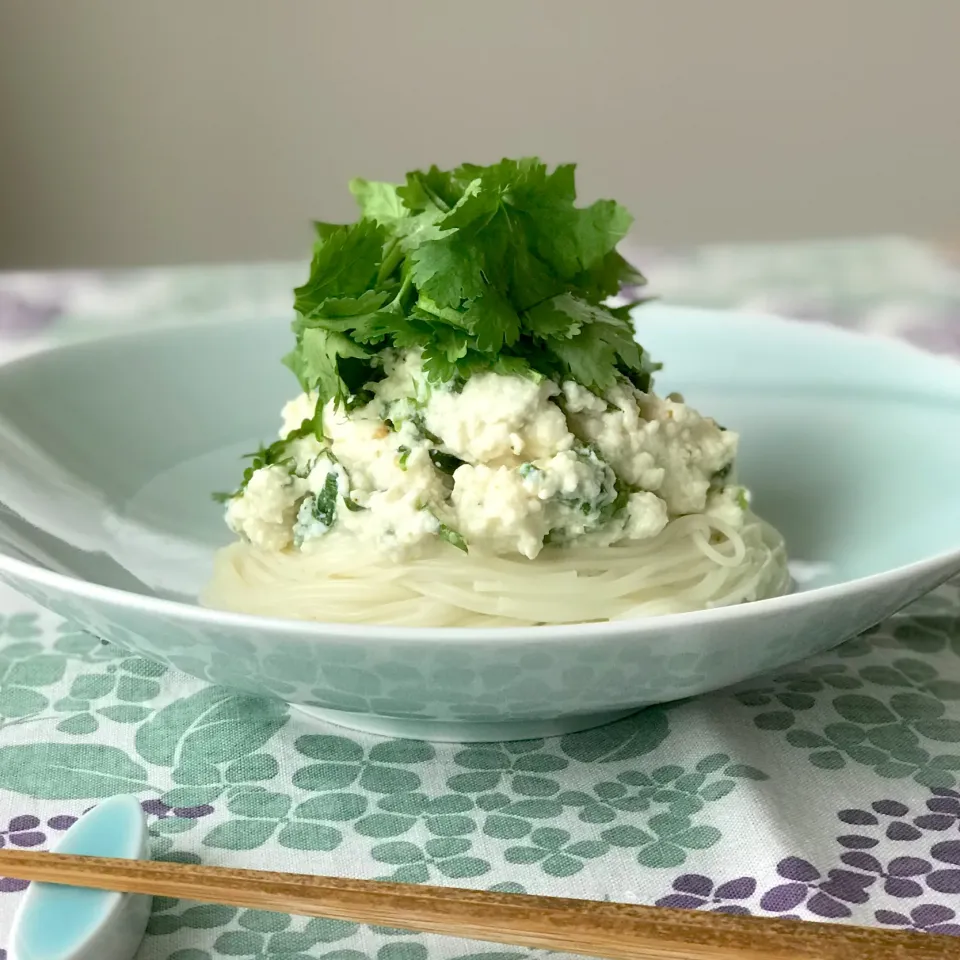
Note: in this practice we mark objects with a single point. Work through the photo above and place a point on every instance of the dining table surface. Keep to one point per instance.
(829, 790)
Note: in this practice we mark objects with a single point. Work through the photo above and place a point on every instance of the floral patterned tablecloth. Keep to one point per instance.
(825, 791)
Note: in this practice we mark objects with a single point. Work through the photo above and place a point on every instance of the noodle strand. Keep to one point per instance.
(696, 562)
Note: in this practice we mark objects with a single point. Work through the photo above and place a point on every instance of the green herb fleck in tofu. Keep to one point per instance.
(445, 462)
(325, 503)
(452, 537)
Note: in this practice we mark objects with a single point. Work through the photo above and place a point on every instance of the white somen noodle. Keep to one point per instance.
(696, 562)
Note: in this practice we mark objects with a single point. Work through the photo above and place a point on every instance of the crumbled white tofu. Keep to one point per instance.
(579, 399)
(499, 419)
(645, 516)
(662, 446)
(265, 512)
(728, 505)
(507, 462)
(494, 507)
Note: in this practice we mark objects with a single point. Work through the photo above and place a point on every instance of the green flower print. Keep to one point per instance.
(924, 634)
(443, 816)
(257, 935)
(131, 680)
(82, 646)
(341, 784)
(29, 669)
(665, 842)
(259, 815)
(674, 793)
(26, 669)
(446, 856)
(19, 626)
(552, 850)
(210, 741)
(929, 634)
(894, 729)
(521, 766)
(248, 933)
(682, 792)
(343, 762)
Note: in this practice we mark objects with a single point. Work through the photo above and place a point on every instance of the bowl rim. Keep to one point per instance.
(947, 561)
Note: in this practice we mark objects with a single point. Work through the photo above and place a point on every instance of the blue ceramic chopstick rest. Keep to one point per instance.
(68, 923)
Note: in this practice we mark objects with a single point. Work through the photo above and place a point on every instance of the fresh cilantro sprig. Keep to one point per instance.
(483, 268)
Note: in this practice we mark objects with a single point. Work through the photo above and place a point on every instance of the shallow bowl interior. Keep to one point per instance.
(848, 444)
(109, 451)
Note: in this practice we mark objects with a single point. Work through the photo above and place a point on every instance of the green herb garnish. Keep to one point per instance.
(445, 462)
(325, 503)
(484, 268)
(619, 502)
(352, 505)
(404, 452)
(719, 479)
(452, 537)
(275, 453)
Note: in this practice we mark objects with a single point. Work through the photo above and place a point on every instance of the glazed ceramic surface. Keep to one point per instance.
(55, 922)
(110, 449)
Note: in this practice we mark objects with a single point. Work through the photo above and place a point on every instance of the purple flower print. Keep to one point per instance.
(22, 832)
(944, 810)
(9, 885)
(160, 810)
(825, 897)
(895, 828)
(61, 822)
(693, 891)
(929, 917)
(163, 811)
(946, 880)
(897, 876)
(25, 831)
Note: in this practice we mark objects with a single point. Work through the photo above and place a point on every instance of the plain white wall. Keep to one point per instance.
(138, 131)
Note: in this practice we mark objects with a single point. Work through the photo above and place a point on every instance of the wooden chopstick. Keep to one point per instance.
(590, 927)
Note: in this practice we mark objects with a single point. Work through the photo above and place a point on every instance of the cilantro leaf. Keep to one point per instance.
(378, 201)
(343, 265)
(599, 352)
(482, 267)
(447, 271)
(493, 321)
(342, 313)
(608, 278)
(562, 316)
(436, 188)
(440, 356)
(322, 352)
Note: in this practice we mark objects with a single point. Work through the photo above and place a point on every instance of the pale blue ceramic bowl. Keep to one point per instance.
(110, 450)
